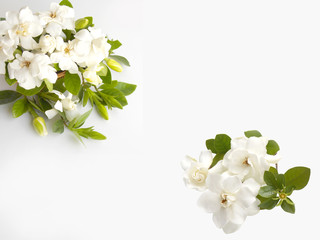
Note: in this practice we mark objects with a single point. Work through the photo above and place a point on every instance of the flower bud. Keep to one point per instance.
(114, 65)
(82, 23)
(40, 126)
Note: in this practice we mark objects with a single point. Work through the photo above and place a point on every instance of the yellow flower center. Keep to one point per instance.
(53, 15)
(22, 29)
(282, 196)
(25, 64)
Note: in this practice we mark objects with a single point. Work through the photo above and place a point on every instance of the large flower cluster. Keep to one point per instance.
(56, 62)
(239, 180)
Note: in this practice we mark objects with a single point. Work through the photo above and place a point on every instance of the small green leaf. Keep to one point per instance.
(222, 143)
(268, 192)
(289, 190)
(59, 85)
(273, 170)
(19, 107)
(270, 179)
(126, 88)
(80, 120)
(72, 83)
(96, 136)
(269, 204)
(272, 147)
(8, 96)
(65, 3)
(69, 34)
(108, 78)
(216, 159)
(58, 126)
(252, 133)
(210, 145)
(115, 44)
(280, 181)
(120, 59)
(85, 98)
(298, 177)
(44, 104)
(30, 92)
(288, 206)
(2, 19)
(49, 85)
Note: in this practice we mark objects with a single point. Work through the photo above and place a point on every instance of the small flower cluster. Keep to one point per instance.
(57, 63)
(240, 180)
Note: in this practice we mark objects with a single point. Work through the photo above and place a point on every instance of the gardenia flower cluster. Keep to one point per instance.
(31, 62)
(231, 186)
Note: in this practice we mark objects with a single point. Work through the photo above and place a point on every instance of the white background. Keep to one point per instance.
(209, 67)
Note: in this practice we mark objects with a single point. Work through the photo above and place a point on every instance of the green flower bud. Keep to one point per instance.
(40, 126)
(82, 23)
(102, 111)
(114, 65)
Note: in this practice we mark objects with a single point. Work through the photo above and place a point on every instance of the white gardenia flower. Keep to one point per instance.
(6, 52)
(196, 172)
(57, 19)
(90, 74)
(47, 44)
(92, 46)
(67, 104)
(22, 27)
(31, 69)
(246, 158)
(65, 56)
(230, 200)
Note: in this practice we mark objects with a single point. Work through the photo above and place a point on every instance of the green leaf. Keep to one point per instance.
(19, 107)
(58, 126)
(8, 96)
(69, 34)
(252, 133)
(115, 44)
(108, 78)
(59, 85)
(216, 159)
(35, 105)
(72, 83)
(280, 181)
(270, 179)
(120, 59)
(272, 147)
(65, 3)
(273, 170)
(288, 206)
(44, 104)
(7, 78)
(80, 120)
(289, 190)
(268, 192)
(222, 143)
(126, 88)
(269, 204)
(2, 19)
(85, 98)
(298, 177)
(210, 145)
(48, 84)
(97, 136)
(30, 92)
(122, 100)
(90, 19)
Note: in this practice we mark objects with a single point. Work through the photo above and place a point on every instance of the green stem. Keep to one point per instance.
(32, 111)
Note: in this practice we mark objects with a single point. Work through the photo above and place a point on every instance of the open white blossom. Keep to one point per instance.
(31, 69)
(90, 74)
(6, 52)
(230, 200)
(196, 171)
(67, 104)
(92, 45)
(22, 27)
(57, 19)
(246, 158)
(47, 44)
(65, 56)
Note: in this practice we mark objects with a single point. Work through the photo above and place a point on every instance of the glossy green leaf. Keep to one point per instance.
(210, 145)
(273, 170)
(108, 78)
(65, 3)
(48, 84)
(298, 177)
(222, 143)
(58, 126)
(269, 204)
(30, 92)
(268, 192)
(270, 179)
(8, 96)
(97, 136)
(19, 107)
(120, 59)
(81, 120)
(115, 44)
(216, 159)
(288, 206)
(272, 147)
(72, 83)
(252, 133)
(280, 181)
(126, 88)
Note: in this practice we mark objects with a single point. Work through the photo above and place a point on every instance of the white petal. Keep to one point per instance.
(231, 227)
(257, 145)
(58, 106)
(253, 209)
(231, 184)
(219, 168)
(240, 142)
(28, 43)
(2, 67)
(54, 29)
(236, 214)
(59, 94)
(206, 158)
(4, 26)
(51, 113)
(214, 182)
(272, 159)
(186, 162)
(245, 197)
(220, 218)
(83, 35)
(252, 185)
(12, 18)
(25, 15)
(210, 202)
